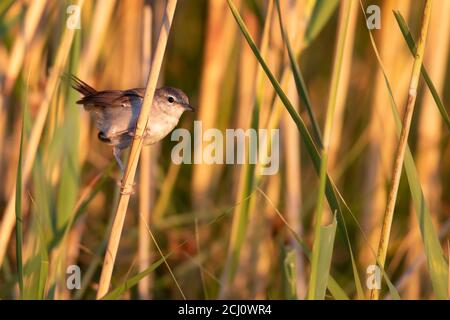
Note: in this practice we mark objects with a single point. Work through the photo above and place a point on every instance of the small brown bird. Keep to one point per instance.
(115, 113)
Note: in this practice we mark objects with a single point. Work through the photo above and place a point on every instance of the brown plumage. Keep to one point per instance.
(115, 113)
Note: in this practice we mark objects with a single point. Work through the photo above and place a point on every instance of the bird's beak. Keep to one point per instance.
(188, 107)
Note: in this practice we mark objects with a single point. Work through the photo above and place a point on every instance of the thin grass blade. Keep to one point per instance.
(358, 284)
(321, 261)
(316, 289)
(412, 47)
(290, 275)
(436, 262)
(307, 138)
(299, 81)
(335, 289)
(130, 283)
(19, 211)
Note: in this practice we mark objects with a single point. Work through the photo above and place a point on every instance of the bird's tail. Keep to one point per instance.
(80, 85)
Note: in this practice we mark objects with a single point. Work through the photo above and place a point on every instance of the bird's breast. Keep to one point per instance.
(159, 127)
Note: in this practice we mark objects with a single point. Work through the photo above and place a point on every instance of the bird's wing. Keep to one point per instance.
(111, 99)
(114, 111)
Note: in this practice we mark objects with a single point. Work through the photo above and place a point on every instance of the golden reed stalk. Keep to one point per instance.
(9, 218)
(220, 37)
(146, 185)
(381, 149)
(429, 137)
(400, 153)
(130, 170)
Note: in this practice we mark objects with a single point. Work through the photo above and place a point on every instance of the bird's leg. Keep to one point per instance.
(116, 152)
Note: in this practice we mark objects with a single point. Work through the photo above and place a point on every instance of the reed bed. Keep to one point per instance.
(360, 134)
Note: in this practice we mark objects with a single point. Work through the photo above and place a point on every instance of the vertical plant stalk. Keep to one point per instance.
(400, 153)
(102, 16)
(246, 95)
(298, 77)
(101, 19)
(341, 96)
(165, 194)
(18, 206)
(8, 221)
(332, 192)
(130, 170)
(295, 85)
(12, 66)
(219, 41)
(314, 285)
(21, 43)
(146, 194)
(247, 177)
(429, 138)
(382, 129)
(448, 263)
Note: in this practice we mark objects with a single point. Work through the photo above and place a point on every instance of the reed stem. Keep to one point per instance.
(146, 193)
(130, 170)
(400, 153)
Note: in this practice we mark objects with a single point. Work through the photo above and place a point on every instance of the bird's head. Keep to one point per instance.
(172, 100)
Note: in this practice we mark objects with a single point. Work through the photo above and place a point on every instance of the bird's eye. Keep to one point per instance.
(170, 99)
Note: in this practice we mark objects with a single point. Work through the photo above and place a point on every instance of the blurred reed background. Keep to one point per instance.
(228, 231)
